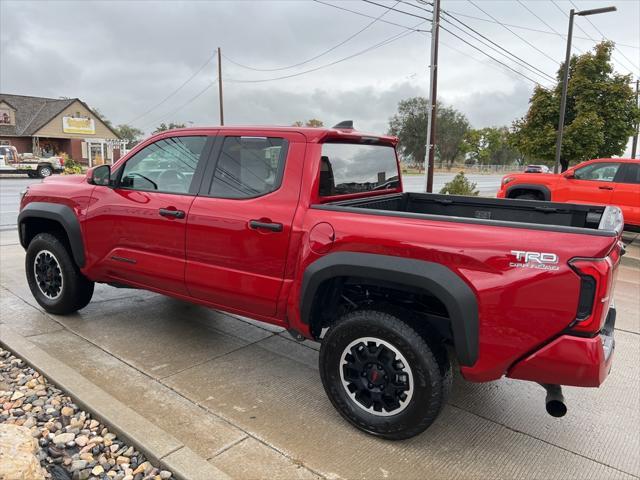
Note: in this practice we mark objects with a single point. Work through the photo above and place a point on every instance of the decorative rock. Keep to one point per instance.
(78, 465)
(17, 449)
(97, 470)
(82, 440)
(165, 474)
(63, 438)
(16, 395)
(66, 411)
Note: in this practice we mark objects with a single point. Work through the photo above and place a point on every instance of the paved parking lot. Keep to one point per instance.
(249, 400)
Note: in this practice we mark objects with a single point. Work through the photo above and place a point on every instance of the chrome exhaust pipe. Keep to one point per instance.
(555, 401)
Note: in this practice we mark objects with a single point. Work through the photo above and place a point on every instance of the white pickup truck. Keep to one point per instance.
(12, 162)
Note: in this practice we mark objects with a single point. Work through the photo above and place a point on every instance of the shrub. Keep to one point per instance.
(460, 185)
(71, 167)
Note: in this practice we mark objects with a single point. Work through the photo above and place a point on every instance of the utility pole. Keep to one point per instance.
(433, 86)
(220, 87)
(634, 144)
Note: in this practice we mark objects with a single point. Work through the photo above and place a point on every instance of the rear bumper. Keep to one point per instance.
(571, 360)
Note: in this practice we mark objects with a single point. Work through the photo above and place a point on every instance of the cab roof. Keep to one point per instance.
(311, 134)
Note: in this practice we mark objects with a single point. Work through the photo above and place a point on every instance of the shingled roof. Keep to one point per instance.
(32, 113)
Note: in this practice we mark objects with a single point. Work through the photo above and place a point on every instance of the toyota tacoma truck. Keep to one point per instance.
(310, 229)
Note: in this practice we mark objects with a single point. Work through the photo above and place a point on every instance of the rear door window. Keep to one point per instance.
(347, 168)
(249, 167)
(631, 174)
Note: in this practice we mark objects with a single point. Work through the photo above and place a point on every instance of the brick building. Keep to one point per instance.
(49, 126)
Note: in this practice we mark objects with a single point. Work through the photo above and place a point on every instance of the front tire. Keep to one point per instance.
(54, 279)
(527, 196)
(381, 374)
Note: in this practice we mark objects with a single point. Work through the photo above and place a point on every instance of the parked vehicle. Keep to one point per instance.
(603, 181)
(12, 162)
(537, 169)
(309, 229)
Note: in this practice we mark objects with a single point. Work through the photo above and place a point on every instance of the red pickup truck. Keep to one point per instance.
(309, 229)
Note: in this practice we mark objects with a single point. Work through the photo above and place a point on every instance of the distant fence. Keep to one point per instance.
(460, 167)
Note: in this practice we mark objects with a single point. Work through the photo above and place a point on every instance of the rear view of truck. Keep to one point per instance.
(397, 285)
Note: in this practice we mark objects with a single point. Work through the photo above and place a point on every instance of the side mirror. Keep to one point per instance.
(570, 174)
(100, 175)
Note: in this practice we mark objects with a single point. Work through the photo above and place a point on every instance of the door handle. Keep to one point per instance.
(605, 188)
(257, 225)
(170, 213)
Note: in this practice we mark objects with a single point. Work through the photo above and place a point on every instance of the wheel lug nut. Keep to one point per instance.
(371, 385)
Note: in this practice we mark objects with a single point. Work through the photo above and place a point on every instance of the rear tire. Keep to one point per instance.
(45, 171)
(382, 376)
(54, 278)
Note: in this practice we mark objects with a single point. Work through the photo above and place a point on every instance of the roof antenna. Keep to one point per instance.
(344, 125)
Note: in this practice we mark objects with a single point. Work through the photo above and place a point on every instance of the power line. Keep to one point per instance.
(491, 57)
(396, 9)
(393, 38)
(547, 25)
(188, 102)
(522, 27)
(351, 37)
(514, 33)
(589, 37)
(521, 62)
(518, 60)
(174, 92)
(368, 16)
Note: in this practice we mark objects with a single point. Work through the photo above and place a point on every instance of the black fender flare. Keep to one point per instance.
(440, 281)
(546, 193)
(62, 214)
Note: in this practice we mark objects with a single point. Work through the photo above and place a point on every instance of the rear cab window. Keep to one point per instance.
(356, 168)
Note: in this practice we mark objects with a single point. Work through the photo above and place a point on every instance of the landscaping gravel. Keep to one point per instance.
(73, 445)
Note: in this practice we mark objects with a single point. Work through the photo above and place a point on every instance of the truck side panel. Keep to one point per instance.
(520, 308)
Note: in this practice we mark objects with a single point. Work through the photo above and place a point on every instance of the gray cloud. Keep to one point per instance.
(124, 57)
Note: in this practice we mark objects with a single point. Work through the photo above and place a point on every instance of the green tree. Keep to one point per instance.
(313, 122)
(600, 115)
(409, 124)
(131, 134)
(490, 146)
(451, 128)
(460, 185)
(163, 127)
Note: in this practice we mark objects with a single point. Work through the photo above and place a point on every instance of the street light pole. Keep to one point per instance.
(563, 100)
(565, 78)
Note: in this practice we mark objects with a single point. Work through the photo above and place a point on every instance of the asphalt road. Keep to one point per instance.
(10, 189)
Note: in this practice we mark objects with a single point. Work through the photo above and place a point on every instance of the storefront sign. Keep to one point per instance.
(78, 125)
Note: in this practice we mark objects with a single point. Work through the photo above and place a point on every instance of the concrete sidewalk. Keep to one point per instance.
(247, 399)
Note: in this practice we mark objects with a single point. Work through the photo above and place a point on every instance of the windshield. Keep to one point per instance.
(353, 168)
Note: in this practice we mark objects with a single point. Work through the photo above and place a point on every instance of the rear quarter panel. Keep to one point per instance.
(519, 308)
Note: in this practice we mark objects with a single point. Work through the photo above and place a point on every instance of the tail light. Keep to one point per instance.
(61, 160)
(596, 290)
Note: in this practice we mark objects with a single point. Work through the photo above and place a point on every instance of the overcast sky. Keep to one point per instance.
(125, 57)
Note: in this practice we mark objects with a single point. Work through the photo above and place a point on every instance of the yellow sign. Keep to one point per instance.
(78, 125)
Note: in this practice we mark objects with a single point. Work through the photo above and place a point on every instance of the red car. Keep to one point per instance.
(309, 229)
(604, 181)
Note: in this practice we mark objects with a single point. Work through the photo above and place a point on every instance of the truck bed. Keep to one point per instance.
(530, 214)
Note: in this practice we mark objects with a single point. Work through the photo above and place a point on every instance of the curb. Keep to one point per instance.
(156, 444)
